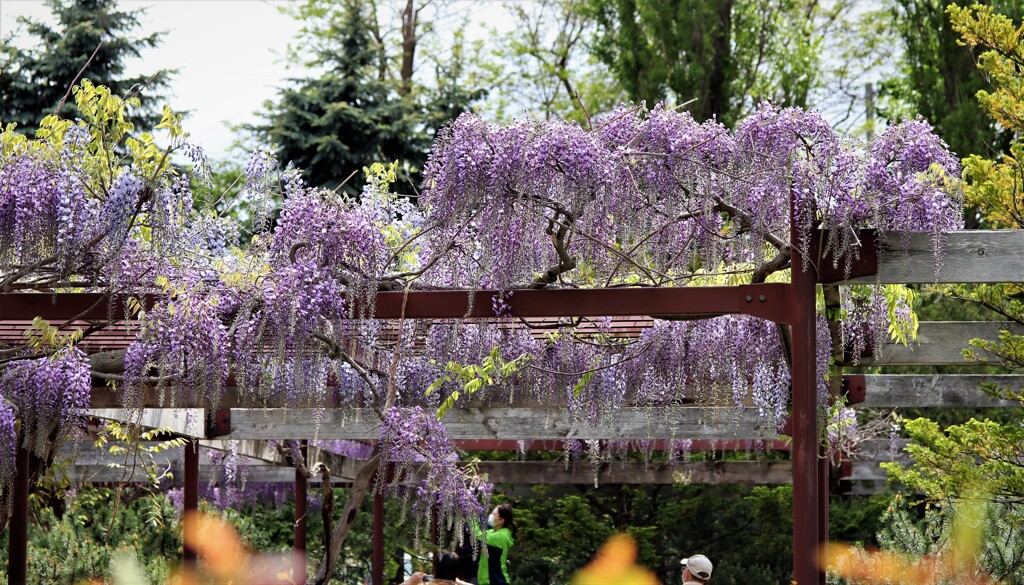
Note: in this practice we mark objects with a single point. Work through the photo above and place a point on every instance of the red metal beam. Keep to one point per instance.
(17, 543)
(191, 489)
(804, 419)
(63, 306)
(767, 301)
(830, 271)
(824, 492)
(760, 300)
(854, 388)
(377, 567)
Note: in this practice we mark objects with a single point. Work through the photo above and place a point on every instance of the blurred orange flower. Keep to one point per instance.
(615, 565)
(224, 558)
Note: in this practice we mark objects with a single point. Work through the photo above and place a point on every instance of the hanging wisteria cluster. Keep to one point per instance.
(660, 199)
(413, 439)
(50, 396)
(184, 342)
(249, 495)
(8, 455)
(646, 198)
(350, 449)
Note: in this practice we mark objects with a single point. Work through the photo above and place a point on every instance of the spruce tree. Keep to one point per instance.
(33, 81)
(333, 124)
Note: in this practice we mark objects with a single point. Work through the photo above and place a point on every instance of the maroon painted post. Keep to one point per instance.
(301, 509)
(823, 499)
(435, 538)
(806, 538)
(191, 501)
(17, 558)
(377, 570)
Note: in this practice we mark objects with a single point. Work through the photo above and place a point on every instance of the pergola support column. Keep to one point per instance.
(17, 568)
(824, 494)
(189, 515)
(377, 571)
(435, 538)
(301, 511)
(807, 528)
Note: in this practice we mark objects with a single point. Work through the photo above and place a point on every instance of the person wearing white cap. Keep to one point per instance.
(696, 570)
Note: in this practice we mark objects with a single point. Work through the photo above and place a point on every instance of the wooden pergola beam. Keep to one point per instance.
(883, 390)
(511, 423)
(941, 343)
(970, 256)
(942, 390)
(531, 473)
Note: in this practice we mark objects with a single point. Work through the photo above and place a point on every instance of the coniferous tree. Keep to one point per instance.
(33, 81)
(356, 112)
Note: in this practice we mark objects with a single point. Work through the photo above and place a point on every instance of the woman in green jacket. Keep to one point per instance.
(500, 536)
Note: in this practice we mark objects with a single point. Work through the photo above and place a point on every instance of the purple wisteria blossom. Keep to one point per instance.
(671, 191)
(8, 451)
(183, 342)
(51, 395)
(411, 436)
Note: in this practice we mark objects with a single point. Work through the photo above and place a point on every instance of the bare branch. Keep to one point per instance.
(338, 352)
(745, 221)
(632, 356)
(78, 76)
(295, 250)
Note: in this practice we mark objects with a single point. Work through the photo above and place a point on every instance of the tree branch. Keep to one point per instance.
(565, 261)
(779, 262)
(340, 531)
(60, 104)
(337, 352)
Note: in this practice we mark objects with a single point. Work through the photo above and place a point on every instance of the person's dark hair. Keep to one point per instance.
(447, 566)
(505, 513)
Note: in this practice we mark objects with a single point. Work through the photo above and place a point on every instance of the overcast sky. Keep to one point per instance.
(229, 55)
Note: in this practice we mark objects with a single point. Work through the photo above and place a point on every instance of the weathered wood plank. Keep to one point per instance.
(182, 421)
(968, 256)
(535, 473)
(93, 464)
(260, 474)
(953, 391)
(554, 472)
(871, 470)
(874, 452)
(512, 424)
(941, 343)
(131, 466)
(701, 472)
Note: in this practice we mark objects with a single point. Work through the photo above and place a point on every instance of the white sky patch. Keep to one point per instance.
(229, 55)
